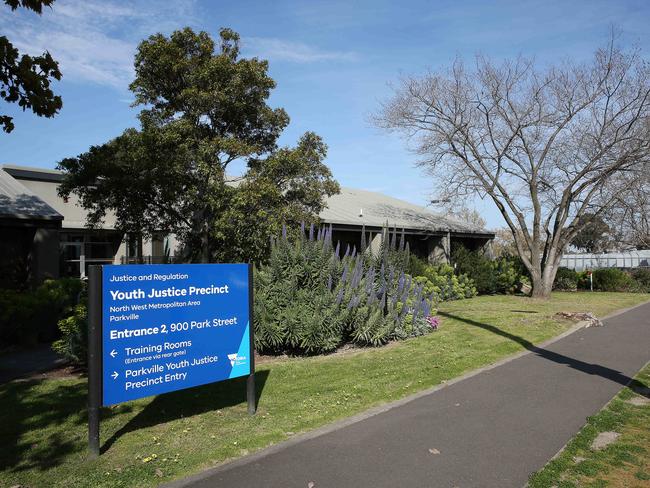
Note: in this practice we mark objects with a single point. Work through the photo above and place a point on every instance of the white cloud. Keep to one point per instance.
(280, 50)
(95, 40)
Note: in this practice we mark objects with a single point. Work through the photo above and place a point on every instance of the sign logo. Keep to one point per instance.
(236, 359)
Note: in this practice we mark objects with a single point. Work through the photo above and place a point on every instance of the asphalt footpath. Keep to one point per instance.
(492, 429)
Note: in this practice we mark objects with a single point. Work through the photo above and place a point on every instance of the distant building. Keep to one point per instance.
(45, 236)
(622, 260)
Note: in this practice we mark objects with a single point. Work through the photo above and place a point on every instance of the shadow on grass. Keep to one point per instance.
(24, 407)
(588, 368)
(33, 407)
(186, 403)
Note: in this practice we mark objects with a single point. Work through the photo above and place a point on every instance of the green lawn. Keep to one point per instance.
(625, 463)
(43, 423)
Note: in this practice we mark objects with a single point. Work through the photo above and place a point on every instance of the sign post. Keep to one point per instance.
(251, 396)
(94, 357)
(154, 329)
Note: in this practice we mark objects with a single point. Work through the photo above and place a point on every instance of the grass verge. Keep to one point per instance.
(153, 440)
(625, 463)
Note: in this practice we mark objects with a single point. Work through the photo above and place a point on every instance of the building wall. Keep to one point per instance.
(45, 254)
(429, 247)
(74, 215)
(29, 253)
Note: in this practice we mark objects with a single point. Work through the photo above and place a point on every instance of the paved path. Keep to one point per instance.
(492, 429)
(28, 362)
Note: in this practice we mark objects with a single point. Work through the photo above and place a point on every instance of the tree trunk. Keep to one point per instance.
(205, 245)
(541, 288)
(200, 237)
(542, 281)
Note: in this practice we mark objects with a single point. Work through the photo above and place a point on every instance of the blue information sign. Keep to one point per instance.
(169, 327)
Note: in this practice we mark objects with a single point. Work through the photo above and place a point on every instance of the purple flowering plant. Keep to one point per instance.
(433, 322)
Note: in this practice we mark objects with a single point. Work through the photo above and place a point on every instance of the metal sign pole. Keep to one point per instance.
(94, 357)
(250, 381)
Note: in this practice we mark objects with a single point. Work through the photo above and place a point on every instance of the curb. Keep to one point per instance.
(339, 424)
(563, 448)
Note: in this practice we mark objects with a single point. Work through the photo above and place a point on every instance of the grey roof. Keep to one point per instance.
(31, 173)
(44, 183)
(344, 208)
(362, 207)
(18, 202)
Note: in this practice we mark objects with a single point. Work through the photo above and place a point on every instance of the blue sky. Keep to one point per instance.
(333, 62)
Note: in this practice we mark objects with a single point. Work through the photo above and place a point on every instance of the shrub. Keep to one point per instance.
(19, 322)
(613, 279)
(31, 316)
(642, 278)
(73, 344)
(501, 275)
(441, 280)
(566, 280)
(308, 300)
(583, 281)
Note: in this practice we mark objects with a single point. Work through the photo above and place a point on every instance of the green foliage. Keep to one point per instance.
(613, 279)
(286, 188)
(441, 281)
(594, 235)
(501, 275)
(205, 107)
(292, 301)
(565, 280)
(642, 278)
(35, 5)
(73, 344)
(25, 79)
(309, 300)
(31, 316)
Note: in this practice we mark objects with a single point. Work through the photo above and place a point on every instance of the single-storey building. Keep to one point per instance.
(429, 234)
(47, 235)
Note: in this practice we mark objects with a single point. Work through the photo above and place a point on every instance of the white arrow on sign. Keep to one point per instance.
(113, 353)
(115, 375)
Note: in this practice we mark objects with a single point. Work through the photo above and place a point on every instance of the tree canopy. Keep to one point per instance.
(546, 145)
(25, 79)
(594, 234)
(204, 108)
(630, 217)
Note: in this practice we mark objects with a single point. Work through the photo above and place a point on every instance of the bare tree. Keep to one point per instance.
(545, 145)
(503, 244)
(630, 217)
(466, 214)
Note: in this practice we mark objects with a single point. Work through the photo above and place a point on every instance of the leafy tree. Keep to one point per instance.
(202, 112)
(593, 235)
(547, 146)
(285, 188)
(25, 79)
